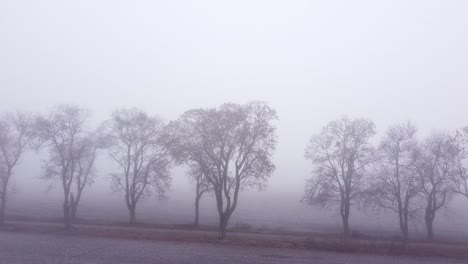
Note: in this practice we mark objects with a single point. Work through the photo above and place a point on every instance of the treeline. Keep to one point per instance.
(229, 149)
(403, 174)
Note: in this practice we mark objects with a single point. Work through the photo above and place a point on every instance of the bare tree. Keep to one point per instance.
(396, 184)
(232, 145)
(434, 168)
(139, 145)
(64, 132)
(185, 150)
(340, 153)
(459, 175)
(202, 185)
(85, 156)
(15, 134)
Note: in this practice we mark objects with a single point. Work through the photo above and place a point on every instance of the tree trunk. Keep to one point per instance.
(404, 231)
(345, 219)
(73, 207)
(73, 212)
(222, 227)
(197, 211)
(429, 220)
(66, 214)
(345, 208)
(2, 206)
(222, 233)
(132, 211)
(3, 197)
(430, 229)
(404, 225)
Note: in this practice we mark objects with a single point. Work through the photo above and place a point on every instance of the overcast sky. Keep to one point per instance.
(313, 61)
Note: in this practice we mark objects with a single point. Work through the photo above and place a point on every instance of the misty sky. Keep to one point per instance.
(313, 61)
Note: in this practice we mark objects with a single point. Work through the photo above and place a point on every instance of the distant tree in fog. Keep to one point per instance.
(15, 134)
(140, 146)
(202, 186)
(86, 151)
(434, 169)
(185, 151)
(340, 154)
(395, 185)
(72, 145)
(232, 147)
(459, 175)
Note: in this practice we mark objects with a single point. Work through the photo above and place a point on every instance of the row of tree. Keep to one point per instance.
(228, 149)
(403, 174)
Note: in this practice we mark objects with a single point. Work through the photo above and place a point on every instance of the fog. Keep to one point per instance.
(312, 61)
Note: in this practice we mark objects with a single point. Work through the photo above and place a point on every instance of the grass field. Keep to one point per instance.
(244, 236)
